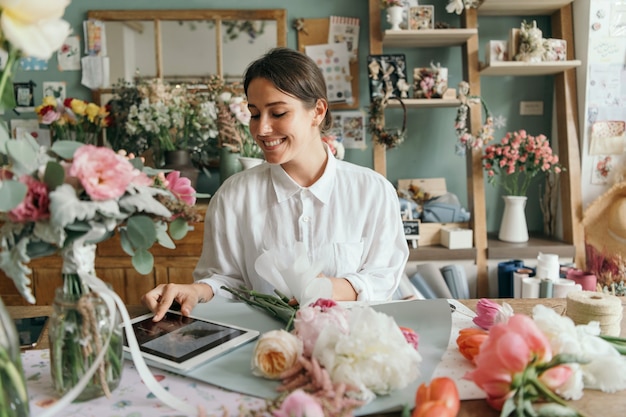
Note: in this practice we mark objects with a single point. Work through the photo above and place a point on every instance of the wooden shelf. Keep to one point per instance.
(441, 253)
(521, 7)
(424, 103)
(497, 249)
(517, 68)
(427, 38)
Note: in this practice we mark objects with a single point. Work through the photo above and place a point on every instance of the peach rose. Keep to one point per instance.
(275, 352)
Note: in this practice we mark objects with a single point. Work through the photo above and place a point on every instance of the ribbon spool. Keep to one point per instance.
(585, 306)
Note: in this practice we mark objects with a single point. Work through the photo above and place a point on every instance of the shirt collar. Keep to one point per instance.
(285, 187)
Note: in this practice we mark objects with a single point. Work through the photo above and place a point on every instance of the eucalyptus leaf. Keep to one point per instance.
(141, 232)
(178, 229)
(24, 156)
(5, 136)
(143, 261)
(125, 242)
(65, 148)
(7, 100)
(54, 175)
(162, 237)
(11, 194)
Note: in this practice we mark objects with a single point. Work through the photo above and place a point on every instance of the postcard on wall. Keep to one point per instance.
(601, 169)
(333, 59)
(69, 54)
(95, 35)
(42, 136)
(24, 96)
(54, 89)
(350, 127)
(33, 64)
(387, 75)
(345, 29)
(607, 137)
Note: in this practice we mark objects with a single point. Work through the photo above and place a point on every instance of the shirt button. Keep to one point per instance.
(305, 219)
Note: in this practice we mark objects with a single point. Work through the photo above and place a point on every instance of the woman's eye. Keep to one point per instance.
(255, 116)
(277, 115)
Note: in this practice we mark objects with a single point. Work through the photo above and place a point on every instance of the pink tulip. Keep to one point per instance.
(299, 404)
(489, 313)
(181, 187)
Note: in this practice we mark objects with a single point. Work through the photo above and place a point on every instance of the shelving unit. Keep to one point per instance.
(424, 103)
(525, 68)
(485, 248)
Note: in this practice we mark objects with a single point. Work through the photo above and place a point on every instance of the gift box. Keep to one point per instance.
(431, 82)
(456, 238)
(496, 51)
(422, 17)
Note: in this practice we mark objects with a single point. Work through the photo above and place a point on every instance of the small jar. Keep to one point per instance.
(77, 331)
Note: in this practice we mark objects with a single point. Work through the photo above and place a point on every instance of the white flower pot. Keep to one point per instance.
(394, 16)
(513, 227)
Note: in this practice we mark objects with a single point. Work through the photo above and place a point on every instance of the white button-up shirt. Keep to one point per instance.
(349, 219)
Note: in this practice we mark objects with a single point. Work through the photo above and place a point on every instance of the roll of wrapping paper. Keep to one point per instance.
(586, 279)
(545, 288)
(518, 277)
(530, 287)
(585, 306)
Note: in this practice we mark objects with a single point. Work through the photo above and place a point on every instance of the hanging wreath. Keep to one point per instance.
(390, 138)
(465, 138)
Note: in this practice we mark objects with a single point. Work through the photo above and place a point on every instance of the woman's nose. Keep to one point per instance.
(265, 125)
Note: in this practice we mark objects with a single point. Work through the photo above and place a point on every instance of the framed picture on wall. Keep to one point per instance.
(387, 75)
(24, 96)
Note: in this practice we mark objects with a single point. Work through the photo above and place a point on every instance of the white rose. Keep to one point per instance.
(275, 352)
(34, 27)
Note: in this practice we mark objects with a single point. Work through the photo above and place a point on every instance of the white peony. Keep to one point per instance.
(34, 27)
(374, 356)
(605, 369)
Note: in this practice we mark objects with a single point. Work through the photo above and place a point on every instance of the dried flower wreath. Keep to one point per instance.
(388, 137)
(466, 139)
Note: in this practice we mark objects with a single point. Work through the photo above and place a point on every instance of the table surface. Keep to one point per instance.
(593, 403)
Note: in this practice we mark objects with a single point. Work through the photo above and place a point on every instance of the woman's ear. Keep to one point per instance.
(321, 107)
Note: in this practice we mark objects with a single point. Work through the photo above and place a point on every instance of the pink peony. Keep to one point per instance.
(510, 348)
(103, 174)
(34, 207)
(181, 187)
(310, 321)
(299, 404)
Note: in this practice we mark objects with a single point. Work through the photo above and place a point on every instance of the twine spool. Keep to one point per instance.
(585, 306)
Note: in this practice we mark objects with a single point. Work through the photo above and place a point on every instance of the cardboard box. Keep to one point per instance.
(456, 237)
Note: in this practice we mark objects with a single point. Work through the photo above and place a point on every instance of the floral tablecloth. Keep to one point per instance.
(132, 398)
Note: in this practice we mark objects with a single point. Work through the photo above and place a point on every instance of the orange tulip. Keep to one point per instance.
(469, 342)
(439, 399)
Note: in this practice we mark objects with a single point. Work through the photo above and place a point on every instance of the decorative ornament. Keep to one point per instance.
(390, 138)
(466, 139)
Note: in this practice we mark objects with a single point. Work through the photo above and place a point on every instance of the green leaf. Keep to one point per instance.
(54, 175)
(125, 242)
(12, 193)
(4, 136)
(178, 229)
(65, 148)
(143, 261)
(163, 238)
(141, 232)
(136, 163)
(23, 155)
(7, 100)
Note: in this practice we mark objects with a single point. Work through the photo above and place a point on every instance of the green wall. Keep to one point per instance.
(429, 149)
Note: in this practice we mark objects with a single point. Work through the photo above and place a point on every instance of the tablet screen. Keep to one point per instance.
(178, 338)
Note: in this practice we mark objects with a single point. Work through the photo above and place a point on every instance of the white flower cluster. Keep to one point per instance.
(457, 6)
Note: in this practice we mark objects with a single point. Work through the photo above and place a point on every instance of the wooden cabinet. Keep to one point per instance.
(114, 266)
(566, 116)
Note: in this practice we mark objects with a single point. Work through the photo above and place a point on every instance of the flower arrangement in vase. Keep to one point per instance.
(65, 200)
(73, 119)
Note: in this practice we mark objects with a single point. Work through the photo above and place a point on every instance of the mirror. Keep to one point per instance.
(188, 45)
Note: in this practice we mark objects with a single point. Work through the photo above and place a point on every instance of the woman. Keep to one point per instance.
(346, 216)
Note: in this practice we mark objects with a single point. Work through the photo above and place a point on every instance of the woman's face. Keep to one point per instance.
(282, 126)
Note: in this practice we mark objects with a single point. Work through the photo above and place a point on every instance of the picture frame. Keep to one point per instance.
(24, 96)
(388, 76)
(422, 17)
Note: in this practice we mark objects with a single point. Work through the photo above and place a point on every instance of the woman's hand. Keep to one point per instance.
(160, 299)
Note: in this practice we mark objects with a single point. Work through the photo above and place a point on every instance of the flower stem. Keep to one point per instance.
(548, 394)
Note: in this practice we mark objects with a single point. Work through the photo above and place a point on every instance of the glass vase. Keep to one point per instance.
(79, 326)
(13, 393)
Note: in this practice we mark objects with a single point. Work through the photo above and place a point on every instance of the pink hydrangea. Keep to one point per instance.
(181, 187)
(310, 321)
(103, 174)
(35, 205)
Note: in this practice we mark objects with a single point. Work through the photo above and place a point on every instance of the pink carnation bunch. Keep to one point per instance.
(517, 159)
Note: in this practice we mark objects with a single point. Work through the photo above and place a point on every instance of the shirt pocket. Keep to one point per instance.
(347, 257)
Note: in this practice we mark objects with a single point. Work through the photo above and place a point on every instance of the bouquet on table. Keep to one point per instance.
(530, 366)
(73, 119)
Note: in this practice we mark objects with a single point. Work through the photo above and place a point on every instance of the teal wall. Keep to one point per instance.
(429, 149)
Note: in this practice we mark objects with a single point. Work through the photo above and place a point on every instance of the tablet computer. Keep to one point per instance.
(180, 343)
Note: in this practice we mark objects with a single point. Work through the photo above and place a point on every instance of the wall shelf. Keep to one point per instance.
(518, 68)
(521, 7)
(441, 253)
(498, 249)
(427, 38)
(424, 103)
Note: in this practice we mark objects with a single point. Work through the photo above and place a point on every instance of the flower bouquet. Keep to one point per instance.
(517, 159)
(73, 119)
(65, 200)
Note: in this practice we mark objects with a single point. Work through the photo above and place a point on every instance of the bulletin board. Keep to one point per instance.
(315, 32)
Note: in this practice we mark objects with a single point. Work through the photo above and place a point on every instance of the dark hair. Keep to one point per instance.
(293, 73)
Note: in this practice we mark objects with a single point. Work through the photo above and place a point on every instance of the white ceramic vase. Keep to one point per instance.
(394, 16)
(513, 227)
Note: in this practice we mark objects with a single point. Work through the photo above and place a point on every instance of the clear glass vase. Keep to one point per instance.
(13, 393)
(78, 329)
